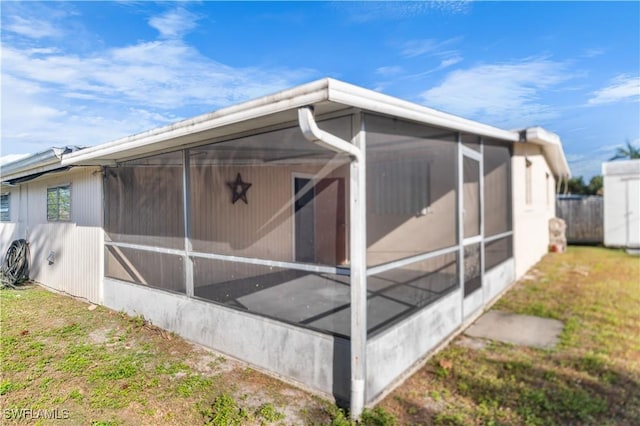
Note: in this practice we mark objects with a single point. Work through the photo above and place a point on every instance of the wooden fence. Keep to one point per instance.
(584, 218)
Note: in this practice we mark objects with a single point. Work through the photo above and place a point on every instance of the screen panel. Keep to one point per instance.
(411, 189)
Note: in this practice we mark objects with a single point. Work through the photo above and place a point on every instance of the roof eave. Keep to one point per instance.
(552, 149)
(307, 94)
(41, 162)
(326, 91)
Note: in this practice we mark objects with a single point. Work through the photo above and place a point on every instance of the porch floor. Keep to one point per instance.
(321, 301)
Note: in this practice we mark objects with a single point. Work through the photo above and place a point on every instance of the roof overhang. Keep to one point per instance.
(326, 96)
(35, 165)
(551, 148)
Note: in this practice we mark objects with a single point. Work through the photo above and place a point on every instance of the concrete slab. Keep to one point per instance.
(523, 330)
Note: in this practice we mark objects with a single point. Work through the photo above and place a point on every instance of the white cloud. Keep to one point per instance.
(174, 23)
(10, 158)
(503, 94)
(621, 88)
(445, 63)
(366, 11)
(53, 96)
(592, 53)
(413, 48)
(389, 71)
(31, 28)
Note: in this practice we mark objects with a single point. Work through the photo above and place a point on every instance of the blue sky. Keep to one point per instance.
(85, 73)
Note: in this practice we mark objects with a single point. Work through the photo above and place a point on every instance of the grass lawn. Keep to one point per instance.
(101, 367)
(105, 368)
(591, 378)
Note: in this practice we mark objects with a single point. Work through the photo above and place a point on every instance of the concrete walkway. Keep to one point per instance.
(516, 329)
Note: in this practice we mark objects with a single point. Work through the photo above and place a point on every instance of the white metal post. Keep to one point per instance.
(188, 263)
(358, 250)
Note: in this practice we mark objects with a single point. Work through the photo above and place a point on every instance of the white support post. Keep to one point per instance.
(188, 263)
(357, 243)
(358, 250)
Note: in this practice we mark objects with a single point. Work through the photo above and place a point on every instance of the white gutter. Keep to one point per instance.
(312, 132)
(40, 162)
(552, 148)
(357, 245)
(369, 100)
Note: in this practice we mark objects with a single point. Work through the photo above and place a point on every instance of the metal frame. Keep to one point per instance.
(410, 260)
(237, 259)
(464, 151)
(294, 176)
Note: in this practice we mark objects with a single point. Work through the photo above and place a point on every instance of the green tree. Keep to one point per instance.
(595, 185)
(577, 186)
(629, 152)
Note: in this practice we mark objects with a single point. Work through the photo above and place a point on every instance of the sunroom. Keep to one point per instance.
(328, 234)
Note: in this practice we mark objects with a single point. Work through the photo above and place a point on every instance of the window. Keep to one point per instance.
(59, 203)
(402, 186)
(5, 215)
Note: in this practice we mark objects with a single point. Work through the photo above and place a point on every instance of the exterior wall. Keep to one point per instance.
(621, 203)
(314, 360)
(77, 244)
(392, 354)
(254, 230)
(11, 230)
(531, 217)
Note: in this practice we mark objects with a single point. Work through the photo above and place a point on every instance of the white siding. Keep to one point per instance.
(77, 244)
(530, 219)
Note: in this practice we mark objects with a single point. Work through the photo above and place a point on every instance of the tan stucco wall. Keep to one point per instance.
(531, 231)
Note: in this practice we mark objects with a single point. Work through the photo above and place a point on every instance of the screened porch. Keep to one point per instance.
(260, 222)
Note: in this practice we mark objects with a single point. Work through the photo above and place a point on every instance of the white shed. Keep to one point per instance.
(622, 203)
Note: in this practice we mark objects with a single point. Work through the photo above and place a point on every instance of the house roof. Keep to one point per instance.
(326, 96)
(35, 165)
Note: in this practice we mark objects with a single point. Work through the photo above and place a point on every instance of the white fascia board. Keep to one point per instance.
(324, 90)
(552, 148)
(370, 100)
(290, 99)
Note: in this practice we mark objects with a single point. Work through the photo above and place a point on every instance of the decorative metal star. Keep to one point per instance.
(239, 189)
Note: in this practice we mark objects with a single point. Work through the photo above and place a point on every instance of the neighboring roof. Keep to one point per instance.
(35, 165)
(621, 167)
(326, 95)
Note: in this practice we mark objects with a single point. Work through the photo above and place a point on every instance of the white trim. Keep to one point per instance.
(410, 260)
(329, 93)
(237, 259)
(498, 236)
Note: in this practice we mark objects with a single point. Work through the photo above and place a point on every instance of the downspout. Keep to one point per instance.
(358, 245)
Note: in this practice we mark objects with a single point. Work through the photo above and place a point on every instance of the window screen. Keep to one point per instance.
(411, 189)
(59, 203)
(296, 206)
(144, 201)
(497, 252)
(159, 270)
(5, 214)
(497, 187)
